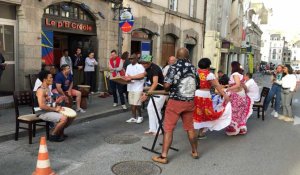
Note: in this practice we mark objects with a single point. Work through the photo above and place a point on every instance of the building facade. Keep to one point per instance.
(217, 29)
(42, 29)
(251, 44)
(295, 55)
(37, 31)
(163, 26)
(277, 45)
(223, 36)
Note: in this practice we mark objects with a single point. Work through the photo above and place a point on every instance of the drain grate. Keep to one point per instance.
(122, 139)
(136, 168)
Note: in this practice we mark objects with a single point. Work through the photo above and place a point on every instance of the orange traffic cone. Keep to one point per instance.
(43, 163)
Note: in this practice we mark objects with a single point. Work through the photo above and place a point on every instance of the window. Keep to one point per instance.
(192, 8)
(173, 5)
(68, 10)
(279, 50)
(294, 58)
(147, 0)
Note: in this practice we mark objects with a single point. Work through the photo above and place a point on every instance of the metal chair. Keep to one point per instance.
(260, 104)
(24, 98)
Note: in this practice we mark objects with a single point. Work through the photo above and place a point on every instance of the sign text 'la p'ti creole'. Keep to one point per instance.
(67, 24)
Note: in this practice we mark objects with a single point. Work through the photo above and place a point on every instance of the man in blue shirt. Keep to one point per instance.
(63, 86)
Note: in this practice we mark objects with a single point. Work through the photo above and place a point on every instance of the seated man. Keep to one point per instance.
(51, 113)
(63, 85)
(252, 88)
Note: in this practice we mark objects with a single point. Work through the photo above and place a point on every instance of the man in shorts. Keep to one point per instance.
(49, 113)
(63, 87)
(135, 74)
(181, 81)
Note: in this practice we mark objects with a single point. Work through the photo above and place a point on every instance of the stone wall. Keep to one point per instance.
(30, 14)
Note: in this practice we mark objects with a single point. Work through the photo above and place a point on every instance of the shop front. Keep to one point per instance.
(8, 38)
(67, 26)
(141, 41)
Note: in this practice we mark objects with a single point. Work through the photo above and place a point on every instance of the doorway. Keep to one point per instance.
(168, 48)
(71, 42)
(8, 50)
(190, 48)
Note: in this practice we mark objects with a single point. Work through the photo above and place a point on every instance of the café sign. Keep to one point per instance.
(67, 25)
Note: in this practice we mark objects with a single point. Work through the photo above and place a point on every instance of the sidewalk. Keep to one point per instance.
(98, 108)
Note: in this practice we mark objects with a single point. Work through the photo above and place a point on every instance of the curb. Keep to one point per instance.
(91, 117)
(6, 105)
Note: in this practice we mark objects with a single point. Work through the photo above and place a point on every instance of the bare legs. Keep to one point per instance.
(168, 138)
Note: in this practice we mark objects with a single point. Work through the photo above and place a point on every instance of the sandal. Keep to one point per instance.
(195, 155)
(201, 137)
(160, 159)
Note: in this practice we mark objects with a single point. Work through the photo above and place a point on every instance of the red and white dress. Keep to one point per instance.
(241, 109)
(211, 112)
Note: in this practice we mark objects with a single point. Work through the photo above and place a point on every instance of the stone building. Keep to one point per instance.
(276, 49)
(163, 26)
(223, 36)
(37, 31)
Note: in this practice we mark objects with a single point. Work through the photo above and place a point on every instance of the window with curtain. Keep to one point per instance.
(192, 8)
(173, 5)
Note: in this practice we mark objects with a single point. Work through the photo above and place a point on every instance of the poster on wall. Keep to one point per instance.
(250, 62)
(145, 47)
(47, 47)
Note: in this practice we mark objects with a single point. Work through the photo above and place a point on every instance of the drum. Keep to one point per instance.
(120, 80)
(85, 90)
(68, 112)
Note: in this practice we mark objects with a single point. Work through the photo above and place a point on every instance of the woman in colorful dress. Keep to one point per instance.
(211, 111)
(240, 101)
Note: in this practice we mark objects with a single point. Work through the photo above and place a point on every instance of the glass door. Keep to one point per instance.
(8, 50)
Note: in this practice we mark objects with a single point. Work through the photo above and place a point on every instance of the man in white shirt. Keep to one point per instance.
(65, 59)
(135, 88)
(252, 88)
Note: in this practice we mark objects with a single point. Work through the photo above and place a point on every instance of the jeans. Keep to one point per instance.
(114, 87)
(275, 90)
(286, 96)
(90, 79)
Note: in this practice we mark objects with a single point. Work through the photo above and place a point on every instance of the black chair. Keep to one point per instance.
(260, 104)
(24, 98)
(32, 78)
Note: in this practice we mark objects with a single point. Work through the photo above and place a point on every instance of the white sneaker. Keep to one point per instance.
(115, 104)
(139, 120)
(131, 120)
(124, 106)
(276, 114)
(80, 110)
(273, 112)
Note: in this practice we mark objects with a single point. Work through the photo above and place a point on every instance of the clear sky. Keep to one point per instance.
(286, 16)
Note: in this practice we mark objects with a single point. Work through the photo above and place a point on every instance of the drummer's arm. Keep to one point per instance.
(154, 84)
(167, 86)
(42, 102)
(138, 76)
